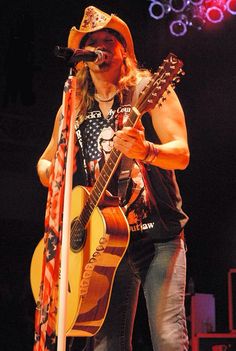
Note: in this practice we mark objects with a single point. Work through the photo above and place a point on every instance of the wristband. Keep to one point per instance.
(151, 154)
(148, 151)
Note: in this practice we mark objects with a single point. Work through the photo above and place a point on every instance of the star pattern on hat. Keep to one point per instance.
(92, 19)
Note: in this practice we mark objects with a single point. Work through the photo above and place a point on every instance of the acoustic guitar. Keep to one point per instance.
(99, 233)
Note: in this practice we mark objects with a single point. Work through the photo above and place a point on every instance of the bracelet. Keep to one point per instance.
(151, 154)
(148, 151)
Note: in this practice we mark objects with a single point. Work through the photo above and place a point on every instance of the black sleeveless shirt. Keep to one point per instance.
(154, 204)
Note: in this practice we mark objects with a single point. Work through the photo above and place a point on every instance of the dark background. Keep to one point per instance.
(31, 83)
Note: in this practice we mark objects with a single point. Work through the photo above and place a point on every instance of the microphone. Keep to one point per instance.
(73, 56)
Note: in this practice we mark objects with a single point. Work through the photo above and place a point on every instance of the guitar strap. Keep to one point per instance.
(126, 164)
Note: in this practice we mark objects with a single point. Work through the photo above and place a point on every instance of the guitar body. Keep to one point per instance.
(92, 269)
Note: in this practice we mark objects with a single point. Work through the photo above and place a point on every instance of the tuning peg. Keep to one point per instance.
(176, 79)
(181, 71)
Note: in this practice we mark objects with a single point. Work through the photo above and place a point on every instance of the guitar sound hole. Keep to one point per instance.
(77, 236)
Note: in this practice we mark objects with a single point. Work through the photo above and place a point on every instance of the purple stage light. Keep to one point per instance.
(178, 28)
(156, 10)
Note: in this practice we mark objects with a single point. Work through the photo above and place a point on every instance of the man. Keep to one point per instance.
(155, 258)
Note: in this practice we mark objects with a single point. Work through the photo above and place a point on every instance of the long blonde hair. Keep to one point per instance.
(130, 75)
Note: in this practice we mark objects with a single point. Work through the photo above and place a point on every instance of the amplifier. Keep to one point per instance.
(232, 299)
(214, 341)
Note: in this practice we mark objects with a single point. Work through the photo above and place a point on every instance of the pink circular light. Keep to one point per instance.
(231, 6)
(214, 14)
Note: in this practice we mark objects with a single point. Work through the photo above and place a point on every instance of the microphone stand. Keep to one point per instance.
(69, 115)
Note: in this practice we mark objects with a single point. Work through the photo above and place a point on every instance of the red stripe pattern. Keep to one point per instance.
(46, 307)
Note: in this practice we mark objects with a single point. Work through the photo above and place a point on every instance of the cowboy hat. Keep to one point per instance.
(94, 20)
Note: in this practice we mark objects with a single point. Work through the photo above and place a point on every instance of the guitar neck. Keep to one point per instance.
(104, 177)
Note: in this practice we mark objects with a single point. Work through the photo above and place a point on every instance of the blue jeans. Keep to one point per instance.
(160, 268)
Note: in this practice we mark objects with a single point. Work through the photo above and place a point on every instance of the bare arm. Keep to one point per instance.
(169, 124)
(44, 164)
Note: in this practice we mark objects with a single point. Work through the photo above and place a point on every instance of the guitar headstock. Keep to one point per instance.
(168, 74)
